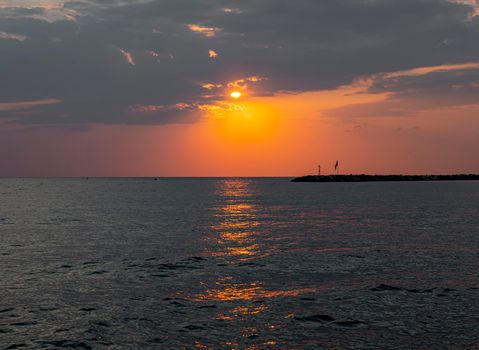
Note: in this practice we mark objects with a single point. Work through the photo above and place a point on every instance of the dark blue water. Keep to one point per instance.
(238, 264)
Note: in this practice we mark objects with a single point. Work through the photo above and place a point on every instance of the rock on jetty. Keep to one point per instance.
(370, 178)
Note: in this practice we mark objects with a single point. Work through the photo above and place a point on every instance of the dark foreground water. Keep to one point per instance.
(238, 264)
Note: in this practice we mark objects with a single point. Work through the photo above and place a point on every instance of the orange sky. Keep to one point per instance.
(282, 135)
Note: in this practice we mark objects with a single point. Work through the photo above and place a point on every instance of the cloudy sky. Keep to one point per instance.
(142, 87)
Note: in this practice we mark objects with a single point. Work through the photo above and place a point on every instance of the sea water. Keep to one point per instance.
(238, 264)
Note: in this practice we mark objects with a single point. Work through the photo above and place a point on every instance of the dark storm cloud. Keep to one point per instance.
(105, 59)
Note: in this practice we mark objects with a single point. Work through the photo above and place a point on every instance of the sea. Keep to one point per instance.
(238, 263)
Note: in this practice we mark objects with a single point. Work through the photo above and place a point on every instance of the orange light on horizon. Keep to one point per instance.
(235, 94)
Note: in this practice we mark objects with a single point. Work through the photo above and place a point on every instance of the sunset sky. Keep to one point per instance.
(238, 88)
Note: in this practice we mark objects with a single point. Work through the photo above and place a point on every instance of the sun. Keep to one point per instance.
(235, 94)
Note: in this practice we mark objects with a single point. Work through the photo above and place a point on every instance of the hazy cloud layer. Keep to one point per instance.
(138, 62)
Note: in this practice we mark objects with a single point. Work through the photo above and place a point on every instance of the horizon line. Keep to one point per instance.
(223, 177)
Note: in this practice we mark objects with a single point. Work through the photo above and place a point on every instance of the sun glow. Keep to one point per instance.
(235, 94)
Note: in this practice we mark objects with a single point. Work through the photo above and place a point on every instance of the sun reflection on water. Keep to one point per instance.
(237, 236)
(227, 290)
(236, 231)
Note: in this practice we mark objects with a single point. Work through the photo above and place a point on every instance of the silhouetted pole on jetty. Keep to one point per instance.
(319, 170)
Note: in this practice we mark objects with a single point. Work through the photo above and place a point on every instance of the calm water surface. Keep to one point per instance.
(238, 264)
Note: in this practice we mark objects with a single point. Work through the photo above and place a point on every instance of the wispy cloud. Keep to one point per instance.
(473, 3)
(16, 106)
(157, 108)
(208, 32)
(242, 84)
(13, 36)
(432, 69)
(212, 54)
(155, 55)
(230, 10)
(210, 86)
(49, 11)
(413, 92)
(128, 57)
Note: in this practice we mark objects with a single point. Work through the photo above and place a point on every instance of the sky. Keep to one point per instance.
(143, 87)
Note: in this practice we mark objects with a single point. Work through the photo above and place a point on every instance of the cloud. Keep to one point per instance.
(157, 108)
(413, 92)
(434, 69)
(473, 3)
(13, 36)
(15, 106)
(242, 84)
(72, 51)
(210, 86)
(128, 57)
(155, 55)
(49, 11)
(208, 32)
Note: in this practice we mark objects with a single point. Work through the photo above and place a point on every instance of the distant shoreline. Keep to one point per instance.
(377, 178)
